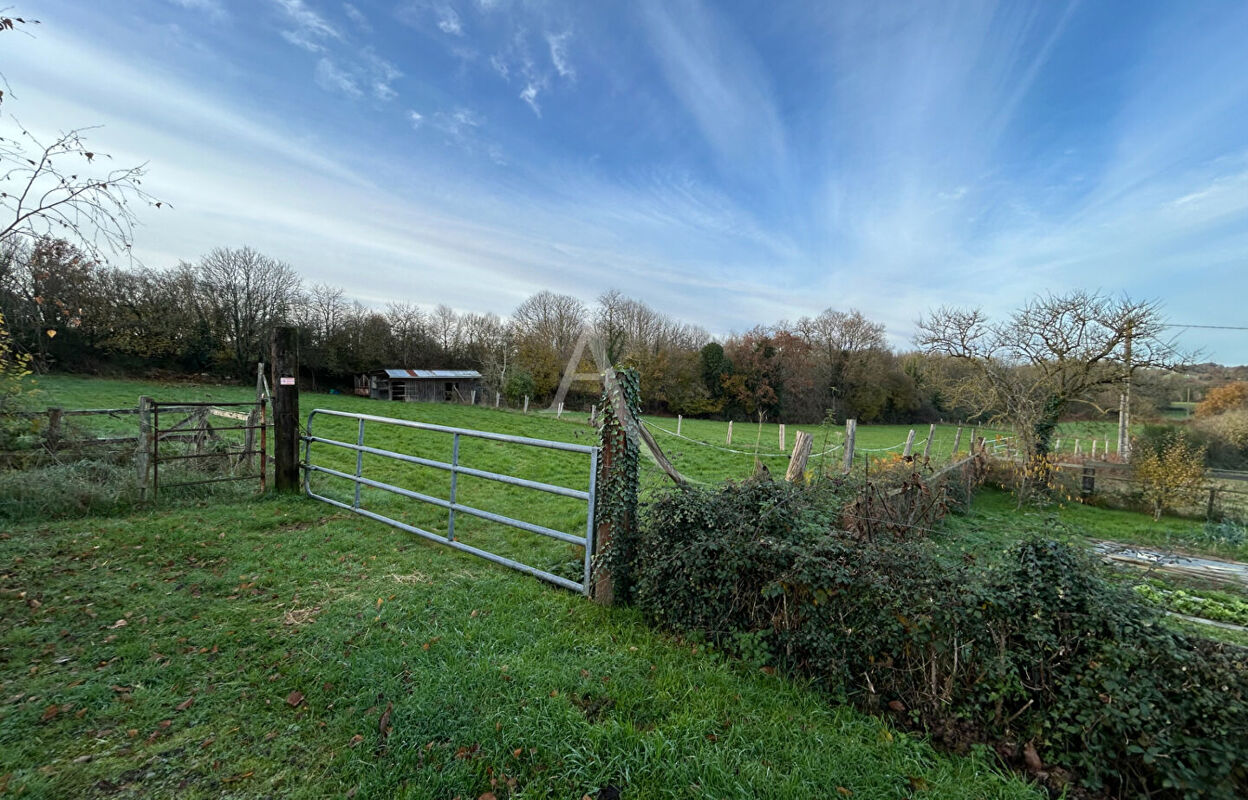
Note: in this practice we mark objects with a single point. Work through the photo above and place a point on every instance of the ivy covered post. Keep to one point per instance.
(615, 512)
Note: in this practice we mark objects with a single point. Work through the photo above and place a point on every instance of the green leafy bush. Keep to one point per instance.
(1039, 652)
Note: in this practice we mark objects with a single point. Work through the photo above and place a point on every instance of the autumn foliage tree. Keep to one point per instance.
(1170, 474)
(1224, 398)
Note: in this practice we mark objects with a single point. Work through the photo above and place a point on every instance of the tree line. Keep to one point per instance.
(72, 312)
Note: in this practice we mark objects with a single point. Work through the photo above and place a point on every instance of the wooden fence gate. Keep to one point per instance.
(196, 440)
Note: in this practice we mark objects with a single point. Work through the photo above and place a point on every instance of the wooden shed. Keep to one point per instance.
(421, 385)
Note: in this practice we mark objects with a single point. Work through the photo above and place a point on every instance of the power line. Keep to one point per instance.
(1208, 327)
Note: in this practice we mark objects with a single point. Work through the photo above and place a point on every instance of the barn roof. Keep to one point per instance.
(433, 374)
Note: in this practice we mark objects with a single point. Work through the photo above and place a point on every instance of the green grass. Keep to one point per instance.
(996, 519)
(153, 655)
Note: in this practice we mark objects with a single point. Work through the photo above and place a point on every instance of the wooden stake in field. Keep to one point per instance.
(729, 441)
(526, 404)
(679, 419)
(593, 414)
(559, 413)
(498, 399)
(851, 429)
(1076, 447)
(802, 444)
(1093, 448)
(927, 446)
(909, 444)
(781, 426)
(1057, 448)
(957, 441)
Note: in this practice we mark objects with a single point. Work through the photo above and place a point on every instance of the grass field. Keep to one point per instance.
(229, 645)
(275, 648)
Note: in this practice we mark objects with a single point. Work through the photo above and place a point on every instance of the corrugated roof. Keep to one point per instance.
(434, 374)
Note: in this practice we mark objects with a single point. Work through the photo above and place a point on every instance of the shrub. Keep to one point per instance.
(1170, 472)
(1040, 654)
(1226, 435)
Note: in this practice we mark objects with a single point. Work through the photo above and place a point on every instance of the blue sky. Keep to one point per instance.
(728, 163)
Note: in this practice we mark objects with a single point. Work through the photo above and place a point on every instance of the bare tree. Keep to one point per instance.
(1055, 351)
(248, 293)
(55, 190)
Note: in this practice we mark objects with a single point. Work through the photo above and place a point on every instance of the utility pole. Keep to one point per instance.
(1124, 403)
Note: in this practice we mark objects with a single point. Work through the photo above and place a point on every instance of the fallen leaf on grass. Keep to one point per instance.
(843, 792)
(356, 739)
(121, 623)
(50, 712)
(294, 698)
(487, 796)
(239, 777)
(185, 704)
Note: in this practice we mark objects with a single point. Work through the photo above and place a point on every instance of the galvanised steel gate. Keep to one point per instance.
(451, 505)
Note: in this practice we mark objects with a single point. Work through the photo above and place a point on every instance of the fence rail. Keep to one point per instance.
(451, 504)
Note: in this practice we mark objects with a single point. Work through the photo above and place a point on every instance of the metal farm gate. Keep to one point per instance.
(455, 469)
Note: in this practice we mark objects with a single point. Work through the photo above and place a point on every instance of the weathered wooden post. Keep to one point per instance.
(927, 446)
(143, 455)
(526, 404)
(729, 441)
(498, 399)
(52, 437)
(1076, 447)
(593, 414)
(559, 413)
(1093, 448)
(1213, 496)
(679, 419)
(909, 444)
(802, 444)
(285, 390)
(851, 428)
(957, 442)
(617, 486)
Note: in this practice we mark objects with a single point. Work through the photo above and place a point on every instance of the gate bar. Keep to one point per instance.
(450, 506)
(442, 465)
(467, 548)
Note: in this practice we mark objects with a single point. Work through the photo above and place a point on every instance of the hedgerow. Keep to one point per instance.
(1040, 656)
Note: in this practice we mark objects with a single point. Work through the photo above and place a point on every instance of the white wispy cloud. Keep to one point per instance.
(357, 18)
(301, 39)
(721, 82)
(415, 118)
(449, 21)
(213, 8)
(331, 78)
(529, 95)
(558, 44)
(311, 30)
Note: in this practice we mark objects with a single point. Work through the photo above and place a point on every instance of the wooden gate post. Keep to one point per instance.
(617, 487)
(143, 454)
(285, 390)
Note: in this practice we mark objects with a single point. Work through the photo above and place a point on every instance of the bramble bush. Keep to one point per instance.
(1040, 656)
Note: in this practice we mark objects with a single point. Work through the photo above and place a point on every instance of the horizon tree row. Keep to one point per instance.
(71, 312)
